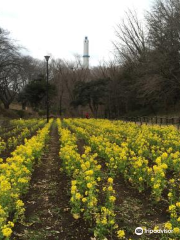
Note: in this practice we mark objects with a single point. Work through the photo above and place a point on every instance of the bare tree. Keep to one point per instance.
(65, 74)
(164, 38)
(131, 41)
(10, 69)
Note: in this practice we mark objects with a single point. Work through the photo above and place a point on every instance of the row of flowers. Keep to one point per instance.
(22, 129)
(86, 182)
(15, 176)
(12, 124)
(17, 126)
(142, 171)
(26, 132)
(2, 145)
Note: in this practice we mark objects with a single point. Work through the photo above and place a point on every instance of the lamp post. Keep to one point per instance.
(47, 95)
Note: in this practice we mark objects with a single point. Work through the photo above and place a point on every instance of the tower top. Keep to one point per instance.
(86, 53)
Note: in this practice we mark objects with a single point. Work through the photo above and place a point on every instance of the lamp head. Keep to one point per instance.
(47, 58)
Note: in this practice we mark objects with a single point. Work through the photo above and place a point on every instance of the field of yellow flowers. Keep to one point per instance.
(121, 176)
(15, 174)
(146, 157)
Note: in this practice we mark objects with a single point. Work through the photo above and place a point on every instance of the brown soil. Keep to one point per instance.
(134, 209)
(48, 214)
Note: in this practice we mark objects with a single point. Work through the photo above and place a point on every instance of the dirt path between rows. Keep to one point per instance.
(48, 213)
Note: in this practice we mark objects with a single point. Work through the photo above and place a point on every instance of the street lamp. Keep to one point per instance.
(47, 97)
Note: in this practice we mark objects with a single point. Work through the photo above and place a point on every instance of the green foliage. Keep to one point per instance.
(42, 113)
(35, 92)
(90, 94)
(21, 113)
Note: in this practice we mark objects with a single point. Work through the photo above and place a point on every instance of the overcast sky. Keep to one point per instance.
(58, 27)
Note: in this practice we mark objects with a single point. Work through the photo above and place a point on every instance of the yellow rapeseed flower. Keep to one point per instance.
(112, 198)
(89, 185)
(110, 180)
(19, 203)
(84, 199)
(73, 188)
(176, 230)
(104, 221)
(170, 194)
(164, 155)
(10, 224)
(168, 225)
(121, 234)
(157, 185)
(171, 180)
(73, 182)
(99, 179)
(6, 232)
(172, 207)
(76, 216)
(110, 188)
(78, 196)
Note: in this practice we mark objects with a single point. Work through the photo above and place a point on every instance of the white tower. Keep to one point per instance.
(86, 53)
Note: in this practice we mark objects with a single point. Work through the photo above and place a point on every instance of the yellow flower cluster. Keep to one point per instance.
(142, 154)
(23, 129)
(86, 174)
(121, 234)
(15, 175)
(83, 169)
(105, 220)
(2, 145)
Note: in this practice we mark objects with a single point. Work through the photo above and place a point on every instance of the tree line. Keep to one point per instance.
(150, 57)
(143, 79)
